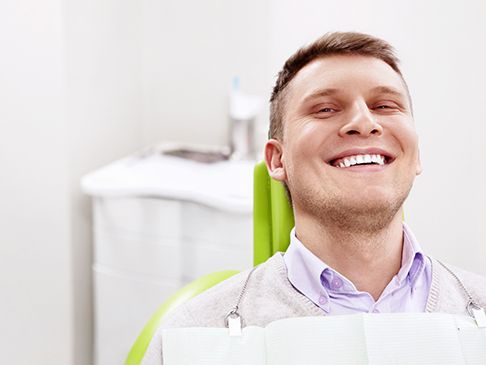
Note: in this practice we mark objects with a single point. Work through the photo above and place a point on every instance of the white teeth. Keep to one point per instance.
(361, 159)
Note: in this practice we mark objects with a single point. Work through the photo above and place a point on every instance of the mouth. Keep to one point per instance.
(356, 161)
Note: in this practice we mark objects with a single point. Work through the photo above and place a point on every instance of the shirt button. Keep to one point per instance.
(322, 299)
(336, 283)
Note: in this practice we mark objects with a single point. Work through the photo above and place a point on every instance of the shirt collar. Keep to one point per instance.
(413, 258)
(306, 271)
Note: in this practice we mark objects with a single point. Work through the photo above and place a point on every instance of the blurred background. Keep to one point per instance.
(87, 83)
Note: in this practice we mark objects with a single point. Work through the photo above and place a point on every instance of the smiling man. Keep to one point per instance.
(343, 141)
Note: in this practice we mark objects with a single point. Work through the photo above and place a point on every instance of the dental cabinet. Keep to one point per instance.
(159, 222)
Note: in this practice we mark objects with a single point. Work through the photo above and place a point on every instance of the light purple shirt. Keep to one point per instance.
(335, 294)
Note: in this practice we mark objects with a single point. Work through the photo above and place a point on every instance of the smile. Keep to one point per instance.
(348, 161)
(362, 159)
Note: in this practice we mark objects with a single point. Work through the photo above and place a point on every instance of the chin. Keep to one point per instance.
(365, 209)
(374, 204)
(364, 215)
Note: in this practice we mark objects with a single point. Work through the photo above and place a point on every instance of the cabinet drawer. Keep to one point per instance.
(213, 226)
(150, 217)
(139, 254)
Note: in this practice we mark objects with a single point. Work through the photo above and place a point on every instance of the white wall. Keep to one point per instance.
(103, 63)
(191, 52)
(443, 60)
(70, 91)
(35, 271)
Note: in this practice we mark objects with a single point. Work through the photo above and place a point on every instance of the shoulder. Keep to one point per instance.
(203, 310)
(453, 285)
(266, 298)
(474, 283)
(268, 295)
(209, 308)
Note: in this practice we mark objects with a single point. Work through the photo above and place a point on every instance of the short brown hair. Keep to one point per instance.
(336, 43)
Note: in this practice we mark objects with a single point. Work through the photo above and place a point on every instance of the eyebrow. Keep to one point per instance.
(332, 91)
(387, 90)
(319, 93)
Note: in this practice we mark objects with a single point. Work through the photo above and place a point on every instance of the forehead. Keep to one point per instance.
(344, 73)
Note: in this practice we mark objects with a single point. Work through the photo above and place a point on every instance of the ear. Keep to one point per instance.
(419, 164)
(274, 160)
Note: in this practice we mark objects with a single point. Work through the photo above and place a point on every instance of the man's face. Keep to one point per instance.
(349, 141)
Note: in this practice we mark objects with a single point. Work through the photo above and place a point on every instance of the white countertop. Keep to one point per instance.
(226, 185)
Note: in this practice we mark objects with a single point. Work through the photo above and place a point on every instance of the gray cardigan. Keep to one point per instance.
(270, 296)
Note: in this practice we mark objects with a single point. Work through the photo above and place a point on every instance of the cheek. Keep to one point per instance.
(406, 135)
(411, 140)
(408, 139)
(307, 139)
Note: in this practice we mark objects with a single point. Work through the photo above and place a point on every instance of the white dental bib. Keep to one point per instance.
(375, 339)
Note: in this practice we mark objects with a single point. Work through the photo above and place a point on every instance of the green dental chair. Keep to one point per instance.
(272, 221)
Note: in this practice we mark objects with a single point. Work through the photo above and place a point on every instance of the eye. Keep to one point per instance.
(326, 110)
(386, 106)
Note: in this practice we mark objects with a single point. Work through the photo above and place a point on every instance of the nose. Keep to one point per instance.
(361, 122)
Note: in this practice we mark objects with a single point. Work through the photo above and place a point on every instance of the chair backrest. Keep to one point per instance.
(273, 217)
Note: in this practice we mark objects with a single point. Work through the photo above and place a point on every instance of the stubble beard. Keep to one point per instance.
(361, 216)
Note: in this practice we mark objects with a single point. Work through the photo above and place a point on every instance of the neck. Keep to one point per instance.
(369, 258)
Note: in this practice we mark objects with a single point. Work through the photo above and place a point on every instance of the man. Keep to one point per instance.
(343, 141)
